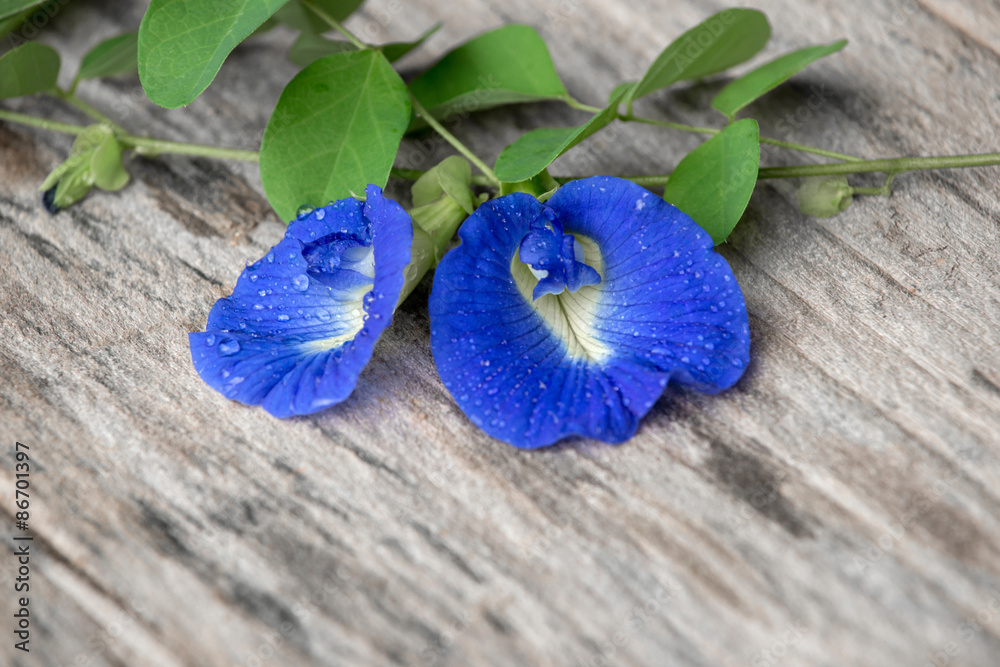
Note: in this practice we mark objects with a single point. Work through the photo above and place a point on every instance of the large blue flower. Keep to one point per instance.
(570, 317)
(302, 321)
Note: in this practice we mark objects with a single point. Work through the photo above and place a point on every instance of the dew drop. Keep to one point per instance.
(301, 282)
(283, 318)
(210, 340)
(303, 211)
(228, 347)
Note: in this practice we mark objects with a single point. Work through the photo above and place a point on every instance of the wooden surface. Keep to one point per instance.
(839, 506)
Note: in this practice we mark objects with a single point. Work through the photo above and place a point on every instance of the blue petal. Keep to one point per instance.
(555, 257)
(592, 362)
(302, 321)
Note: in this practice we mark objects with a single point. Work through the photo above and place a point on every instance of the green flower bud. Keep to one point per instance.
(541, 186)
(95, 159)
(825, 196)
(442, 200)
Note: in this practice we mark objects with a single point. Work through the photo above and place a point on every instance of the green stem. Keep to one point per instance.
(141, 145)
(764, 140)
(43, 123)
(87, 109)
(451, 139)
(888, 166)
(334, 23)
(154, 147)
(577, 104)
(885, 190)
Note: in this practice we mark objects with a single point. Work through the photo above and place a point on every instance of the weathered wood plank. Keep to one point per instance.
(839, 506)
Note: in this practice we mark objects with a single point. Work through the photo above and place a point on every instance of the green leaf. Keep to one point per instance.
(106, 165)
(752, 85)
(727, 38)
(336, 129)
(537, 149)
(117, 55)
(397, 50)
(508, 65)
(713, 183)
(183, 43)
(28, 69)
(9, 8)
(12, 23)
(296, 15)
(310, 47)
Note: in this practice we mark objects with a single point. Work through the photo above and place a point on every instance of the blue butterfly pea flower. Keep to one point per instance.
(302, 321)
(570, 317)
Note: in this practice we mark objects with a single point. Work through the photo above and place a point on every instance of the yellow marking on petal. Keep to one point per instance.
(354, 321)
(569, 315)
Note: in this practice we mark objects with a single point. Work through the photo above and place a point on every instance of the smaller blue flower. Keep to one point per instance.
(570, 317)
(302, 321)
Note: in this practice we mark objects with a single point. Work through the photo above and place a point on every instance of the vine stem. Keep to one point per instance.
(43, 123)
(451, 139)
(141, 145)
(889, 166)
(334, 23)
(68, 96)
(764, 140)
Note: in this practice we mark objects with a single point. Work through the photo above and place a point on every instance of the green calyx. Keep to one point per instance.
(442, 200)
(95, 159)
(824, 197)
(541, 186)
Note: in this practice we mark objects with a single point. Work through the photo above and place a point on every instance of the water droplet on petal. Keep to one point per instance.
(304, 211)
(283, 318)
(229, 347)
(210, 340)
(301, 282)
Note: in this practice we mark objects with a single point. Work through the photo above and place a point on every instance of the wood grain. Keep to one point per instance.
(839, 506)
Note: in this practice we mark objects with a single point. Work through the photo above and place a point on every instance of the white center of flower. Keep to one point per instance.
(348, 316)
(569, 315)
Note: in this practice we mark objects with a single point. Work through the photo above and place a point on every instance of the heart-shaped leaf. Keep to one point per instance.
(183, 43)
(727, 38)
(336, 129)
(537, 149)
(755, 83)
(508, 65)
(28, 69)
(713, 183)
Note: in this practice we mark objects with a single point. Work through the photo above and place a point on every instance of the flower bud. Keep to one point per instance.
(824, 196)
(95, 159)
(442, 200)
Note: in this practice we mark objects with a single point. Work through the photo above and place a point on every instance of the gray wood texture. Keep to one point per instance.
(839, 506)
